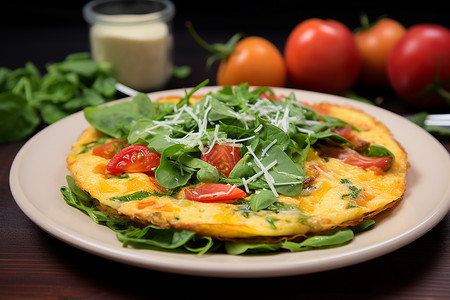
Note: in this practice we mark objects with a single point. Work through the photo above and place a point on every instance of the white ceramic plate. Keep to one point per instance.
(39, 170)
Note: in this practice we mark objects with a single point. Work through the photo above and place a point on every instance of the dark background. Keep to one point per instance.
(45, 31)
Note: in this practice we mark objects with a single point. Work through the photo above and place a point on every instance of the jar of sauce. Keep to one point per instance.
(135, 36)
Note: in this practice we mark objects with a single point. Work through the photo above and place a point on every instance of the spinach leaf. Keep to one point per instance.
(67, 87)
(262, 200)
(220, 111)
(205, 171)
(365, 225)
(171, 173)
(116, 120)
(287, 175)
(128, 234)
(145, 130)
(337, 238)
(154, 236)
(17, 119)
(334, 239)
(81, 200)
(242, 247)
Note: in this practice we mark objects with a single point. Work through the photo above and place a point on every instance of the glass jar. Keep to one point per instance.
(135, 36)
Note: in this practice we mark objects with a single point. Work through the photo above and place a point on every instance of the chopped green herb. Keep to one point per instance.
(89, 146)
(354, 191)
(134, 196)
(121, 176)
(272, 221)
(352, 206)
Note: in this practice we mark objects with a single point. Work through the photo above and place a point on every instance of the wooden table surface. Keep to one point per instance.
(34, 264)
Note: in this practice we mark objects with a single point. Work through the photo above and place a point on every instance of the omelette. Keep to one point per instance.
(238, 164)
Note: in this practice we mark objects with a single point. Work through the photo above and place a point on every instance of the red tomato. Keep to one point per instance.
(321, 55)
(374, 46)
(109, 149)
(272, 97)
(133, 159)
(254, 60)
(352, 157)
(223, 157)
(214, 192)
(346, 132)
(419, 66)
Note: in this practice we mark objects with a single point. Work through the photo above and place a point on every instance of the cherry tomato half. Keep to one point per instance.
(256, 61)
(352, 157)
(321, 55)
(374, 46)
(223, 157)
(214, 192)
(108, 150)
(419, 66)
(133, 159)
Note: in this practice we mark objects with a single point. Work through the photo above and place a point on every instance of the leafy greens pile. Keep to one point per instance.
(27, 98)
(274, 138)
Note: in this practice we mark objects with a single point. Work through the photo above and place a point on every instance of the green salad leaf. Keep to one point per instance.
(28, 98)
(153, 237)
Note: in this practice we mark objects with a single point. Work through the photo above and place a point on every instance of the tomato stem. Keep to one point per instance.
(219, 50)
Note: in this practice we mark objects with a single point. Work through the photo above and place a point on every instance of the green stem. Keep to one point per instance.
(201, 42)
(365, 24)
(444, 94)
(219, 51)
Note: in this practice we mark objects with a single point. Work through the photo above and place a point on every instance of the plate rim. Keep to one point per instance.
(128, 257)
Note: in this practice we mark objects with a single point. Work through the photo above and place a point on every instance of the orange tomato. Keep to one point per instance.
(374, 46)
(256, 61)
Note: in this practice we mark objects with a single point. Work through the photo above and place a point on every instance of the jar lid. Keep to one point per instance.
(120, 11)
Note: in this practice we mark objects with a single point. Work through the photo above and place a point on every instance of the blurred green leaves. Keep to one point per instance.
(28, 98)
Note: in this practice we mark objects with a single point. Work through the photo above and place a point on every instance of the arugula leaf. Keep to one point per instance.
(378, 151)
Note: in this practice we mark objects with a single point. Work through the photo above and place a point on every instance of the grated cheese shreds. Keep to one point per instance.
(269, 178)
(264, 151)
(269, 166)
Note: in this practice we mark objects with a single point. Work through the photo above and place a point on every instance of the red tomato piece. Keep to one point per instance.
(133, 159)
(214, 192)
(321, 55)
(108, 150)
(352, 157)
(419, 66)
(223, 157)
(346, 132)
(375, 43)
(272, 97)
